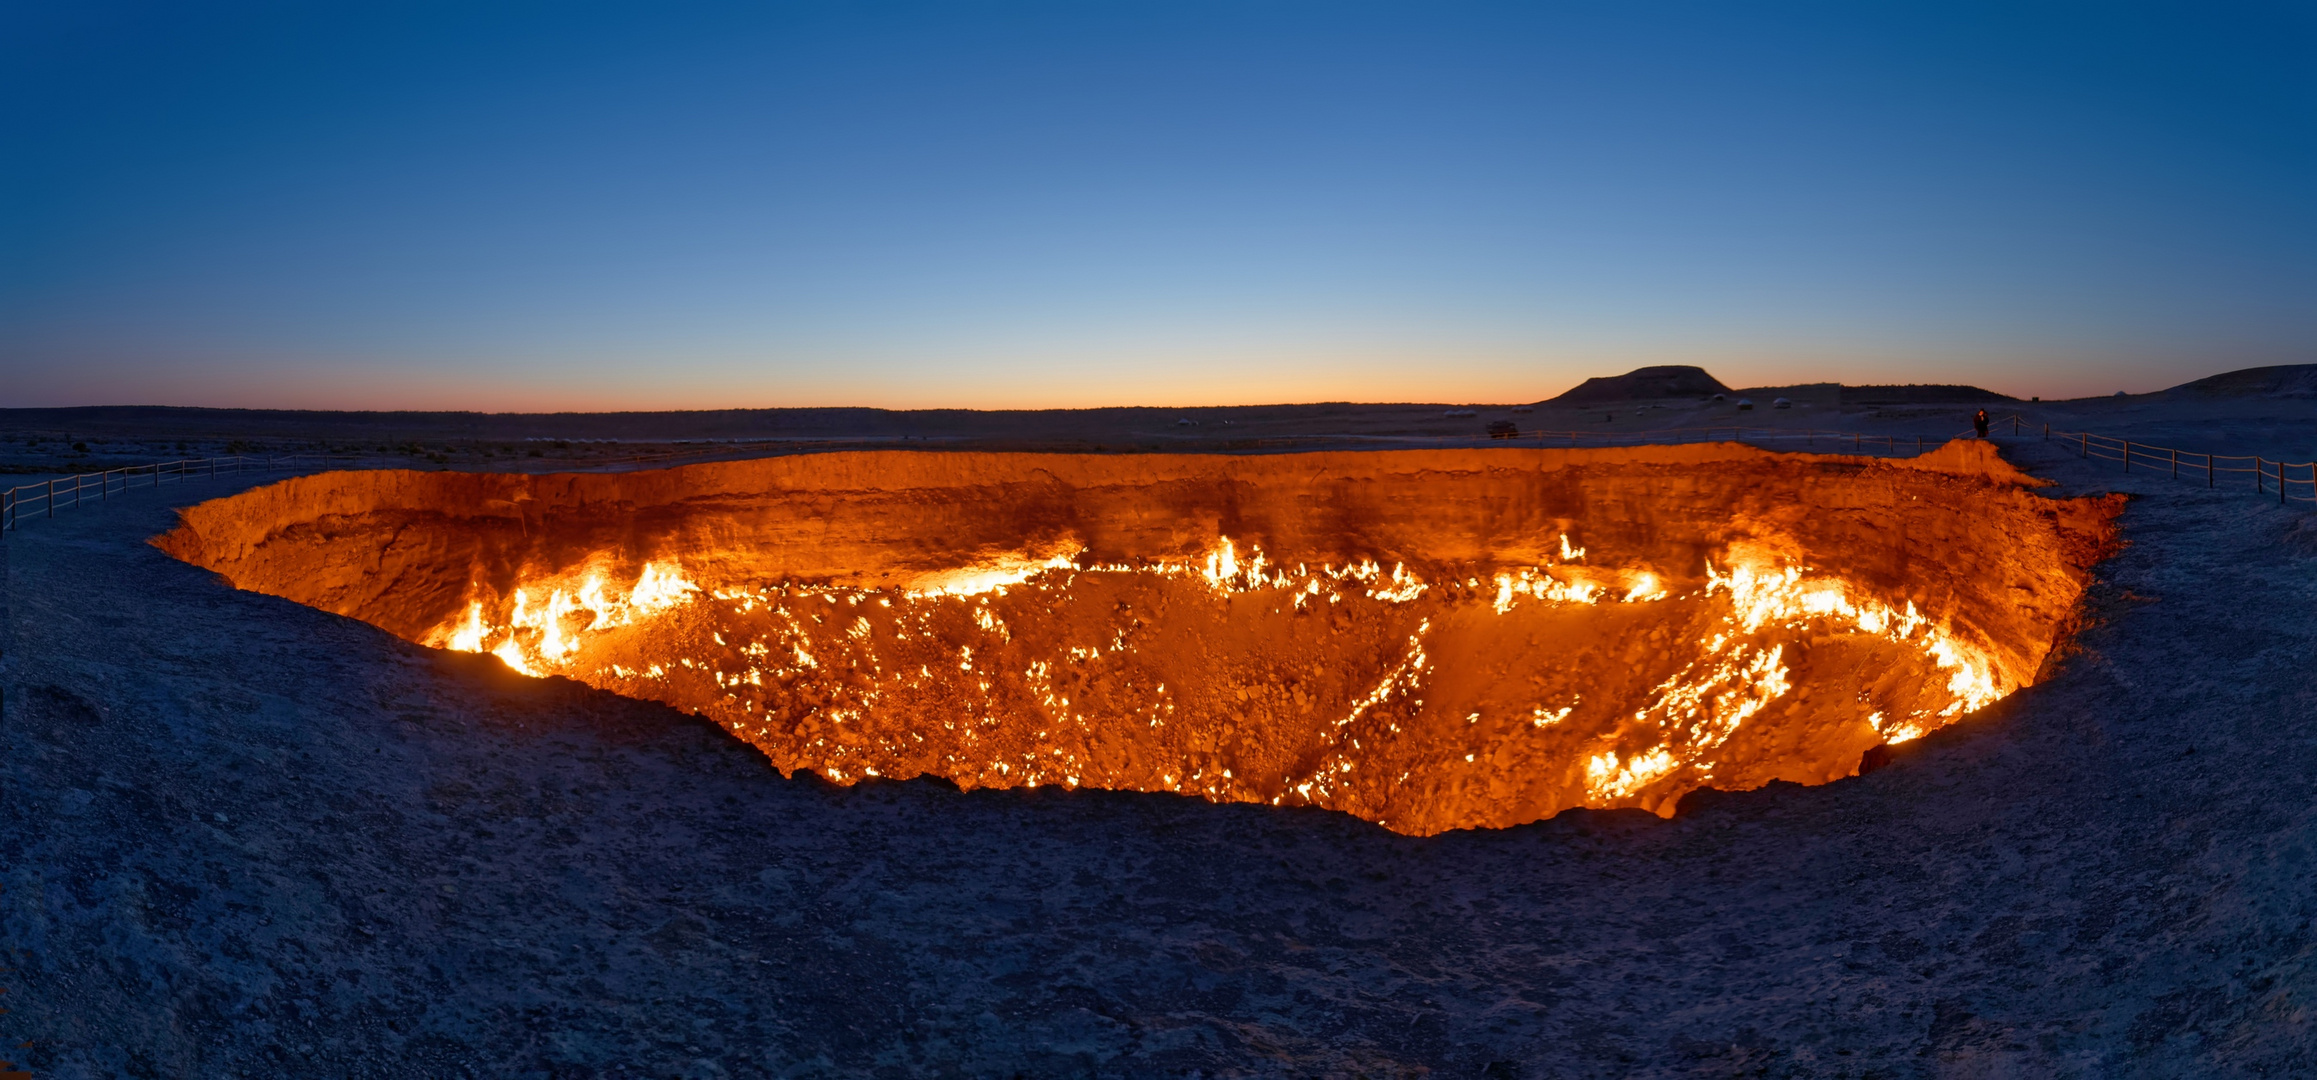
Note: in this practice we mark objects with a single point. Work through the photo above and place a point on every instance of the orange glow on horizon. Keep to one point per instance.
(1207, 379)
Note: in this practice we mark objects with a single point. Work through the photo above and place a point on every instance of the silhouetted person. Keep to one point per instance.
(1979, 423)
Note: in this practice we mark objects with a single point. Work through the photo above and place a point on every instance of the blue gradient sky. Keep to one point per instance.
(1012, 205)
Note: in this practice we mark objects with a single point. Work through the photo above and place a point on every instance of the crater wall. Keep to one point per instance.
(1429, 639)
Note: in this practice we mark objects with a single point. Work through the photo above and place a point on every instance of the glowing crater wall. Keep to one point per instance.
(1426, 639)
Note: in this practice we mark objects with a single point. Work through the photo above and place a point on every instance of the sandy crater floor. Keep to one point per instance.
(243, 837)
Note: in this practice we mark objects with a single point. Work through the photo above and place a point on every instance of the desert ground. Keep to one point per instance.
(245, 837)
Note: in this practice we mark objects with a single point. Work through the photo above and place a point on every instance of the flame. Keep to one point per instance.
(657, 589)
(1222, 563)
(1786, 597)
(511, 654)
(537, 639)
(468, 636)
(1610, 780)
(816, 675)
(988, 577)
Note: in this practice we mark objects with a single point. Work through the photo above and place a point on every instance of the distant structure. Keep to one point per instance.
(1667, 381)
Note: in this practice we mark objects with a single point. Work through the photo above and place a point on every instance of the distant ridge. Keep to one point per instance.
(1919, 393)
(1671, 380)
(2287, 381)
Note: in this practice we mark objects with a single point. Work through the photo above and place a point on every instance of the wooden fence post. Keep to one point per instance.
(2127, 455)
(2176, 464)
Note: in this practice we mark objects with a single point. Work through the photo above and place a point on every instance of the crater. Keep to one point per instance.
(1428, 640)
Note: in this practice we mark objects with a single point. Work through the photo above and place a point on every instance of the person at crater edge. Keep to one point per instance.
(1979, 423)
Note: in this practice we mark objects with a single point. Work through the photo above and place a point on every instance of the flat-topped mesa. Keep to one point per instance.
(1426, 639)
(1642, 384)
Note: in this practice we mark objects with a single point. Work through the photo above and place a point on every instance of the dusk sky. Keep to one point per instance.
(594, 206)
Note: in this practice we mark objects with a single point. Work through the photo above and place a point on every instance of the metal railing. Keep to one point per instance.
(66, 492)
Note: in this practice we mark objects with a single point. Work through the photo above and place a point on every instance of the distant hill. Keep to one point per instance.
(1671, 380)
(2289, 381)
(1674, 381)
(1919, 394)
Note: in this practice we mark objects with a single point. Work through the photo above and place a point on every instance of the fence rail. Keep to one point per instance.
(45, 499)
(1857, 441)
(2290, 482)
(2269, 476)
(66, 492)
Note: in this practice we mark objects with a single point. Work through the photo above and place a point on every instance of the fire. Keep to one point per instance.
(468, 636)
(1610, 780)
(1786, 597)
(1428, 640)
(976, 580)
(537, 636)
(1049, 668)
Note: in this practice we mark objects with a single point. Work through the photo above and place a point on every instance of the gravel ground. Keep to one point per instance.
(243, 837)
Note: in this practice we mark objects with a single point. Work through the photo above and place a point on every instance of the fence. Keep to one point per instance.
(2267, 475)
(47, 498)
(67, 492)
(1857, 441)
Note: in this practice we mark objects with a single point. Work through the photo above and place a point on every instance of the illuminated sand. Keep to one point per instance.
(1428, 640)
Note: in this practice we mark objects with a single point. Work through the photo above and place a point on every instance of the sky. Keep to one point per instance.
(539, 207)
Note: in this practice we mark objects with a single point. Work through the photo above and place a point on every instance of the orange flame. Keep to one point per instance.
(950, 674)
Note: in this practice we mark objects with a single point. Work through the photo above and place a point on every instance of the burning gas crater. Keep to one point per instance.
(1031, 672)
(1460, 691)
